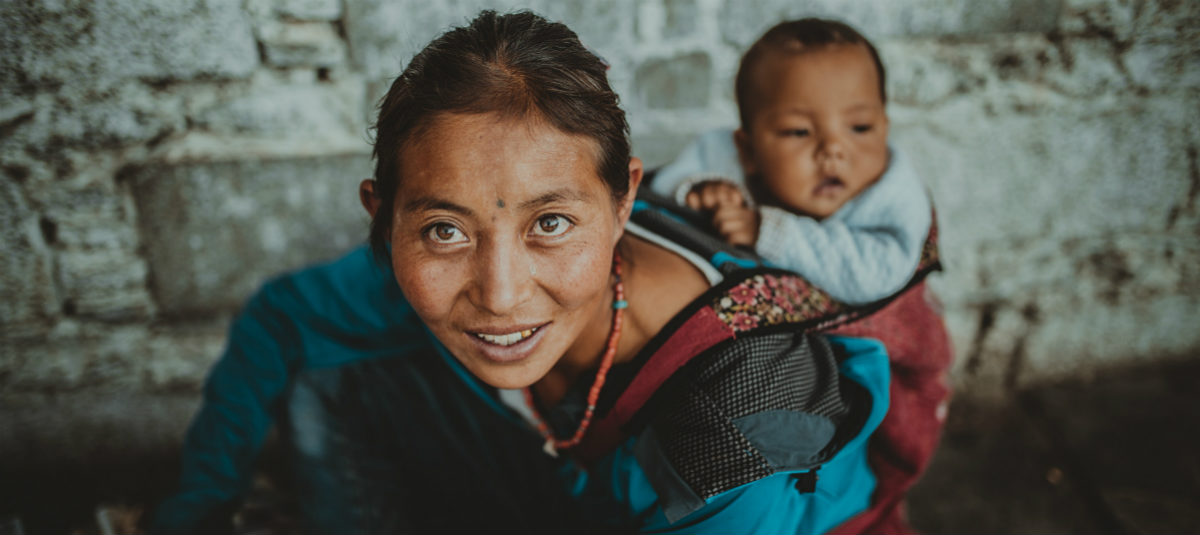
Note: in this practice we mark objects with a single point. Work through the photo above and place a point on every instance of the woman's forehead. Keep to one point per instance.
(458, 155)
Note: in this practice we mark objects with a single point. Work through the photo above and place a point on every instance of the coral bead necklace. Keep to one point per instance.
(554, 444)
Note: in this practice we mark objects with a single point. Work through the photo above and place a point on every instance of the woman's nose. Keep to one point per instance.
(504, 279)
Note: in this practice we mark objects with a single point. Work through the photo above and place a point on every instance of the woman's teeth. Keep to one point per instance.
(506, 339)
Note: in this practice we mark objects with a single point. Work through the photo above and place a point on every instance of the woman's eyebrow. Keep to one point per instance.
(558, 195)
(421, 204)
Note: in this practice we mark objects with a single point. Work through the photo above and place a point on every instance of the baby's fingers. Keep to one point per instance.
(730, 195)
(738, 226)
(710, 195)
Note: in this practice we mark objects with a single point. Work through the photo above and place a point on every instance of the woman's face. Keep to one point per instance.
(502, 241)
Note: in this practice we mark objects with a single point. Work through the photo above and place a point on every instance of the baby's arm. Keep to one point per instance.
(856, 260)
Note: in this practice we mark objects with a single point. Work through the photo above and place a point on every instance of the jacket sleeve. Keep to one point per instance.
(236, 413)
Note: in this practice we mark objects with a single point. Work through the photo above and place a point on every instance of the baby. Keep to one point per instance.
(808, 180)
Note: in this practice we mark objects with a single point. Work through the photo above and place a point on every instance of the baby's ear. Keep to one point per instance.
(745, 151)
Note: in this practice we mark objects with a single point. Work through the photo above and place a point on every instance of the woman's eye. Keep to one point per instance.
(862, 128)
(444, 234)
(551, 225)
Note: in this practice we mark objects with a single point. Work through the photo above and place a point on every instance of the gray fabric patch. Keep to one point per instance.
(674, 495)
(789, 440)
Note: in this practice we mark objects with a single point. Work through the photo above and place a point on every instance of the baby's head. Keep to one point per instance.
(814, 125)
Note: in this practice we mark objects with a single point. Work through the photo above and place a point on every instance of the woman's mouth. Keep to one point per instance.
(512, 346)
(507, 339)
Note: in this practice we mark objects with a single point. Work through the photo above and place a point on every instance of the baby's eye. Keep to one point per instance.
(551, 225)
(797, 132)
(444, 234)
(863, 128)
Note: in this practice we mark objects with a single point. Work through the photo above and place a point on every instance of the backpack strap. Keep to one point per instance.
(692, 231)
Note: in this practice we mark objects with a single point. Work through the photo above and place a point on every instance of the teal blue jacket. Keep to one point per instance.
(351, 309)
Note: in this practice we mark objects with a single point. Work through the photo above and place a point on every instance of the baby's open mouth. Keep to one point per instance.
(506, 339)
(828, 185)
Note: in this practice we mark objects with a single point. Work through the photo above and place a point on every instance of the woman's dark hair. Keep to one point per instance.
(797, 36)
(518, 65)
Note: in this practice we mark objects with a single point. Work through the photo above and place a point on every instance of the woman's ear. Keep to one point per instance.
(636, 172)
(368, 196)
(745, 151)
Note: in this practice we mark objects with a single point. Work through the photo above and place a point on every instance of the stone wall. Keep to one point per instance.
(161, 159)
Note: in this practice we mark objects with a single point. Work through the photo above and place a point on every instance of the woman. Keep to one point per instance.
(536, 347)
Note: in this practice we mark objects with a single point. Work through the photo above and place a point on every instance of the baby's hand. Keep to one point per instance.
(733, 220)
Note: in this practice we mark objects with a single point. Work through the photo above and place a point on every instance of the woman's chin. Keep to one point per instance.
(507, 377)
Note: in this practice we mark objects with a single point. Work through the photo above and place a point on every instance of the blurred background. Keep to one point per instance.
(160, 160)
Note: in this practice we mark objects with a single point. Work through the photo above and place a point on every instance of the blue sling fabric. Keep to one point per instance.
(618, 488)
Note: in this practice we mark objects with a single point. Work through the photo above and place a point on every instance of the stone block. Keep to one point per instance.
(85, 209)
(1164, 65)
(106, 284)
(27, 291)
(283, 109)
(657, 149)
(1027, 312)
(86, 117)
(741, 25)
(1087, 68)
(127, 114)
(79, 356)
(924, 73)
(309, 9)
(101, 41)
(681, 18)
(213, 231)
(301, 44)
(1025, 73)
(604, 27)
(675, 83)
(294, 10)
(1053, 175)
(1112, 18)
(385, 34)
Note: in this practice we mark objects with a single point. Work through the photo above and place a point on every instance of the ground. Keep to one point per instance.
(1114, 453)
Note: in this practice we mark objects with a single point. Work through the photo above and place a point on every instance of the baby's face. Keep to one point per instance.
(818, 132)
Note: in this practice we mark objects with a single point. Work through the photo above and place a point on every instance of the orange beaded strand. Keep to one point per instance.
(553, 444)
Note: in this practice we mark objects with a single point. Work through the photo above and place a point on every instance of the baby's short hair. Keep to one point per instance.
(798, 36)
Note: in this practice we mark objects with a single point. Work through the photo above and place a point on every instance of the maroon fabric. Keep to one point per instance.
(701, 331)
(918, 346)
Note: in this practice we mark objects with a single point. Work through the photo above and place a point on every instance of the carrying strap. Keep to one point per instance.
(753, 298)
